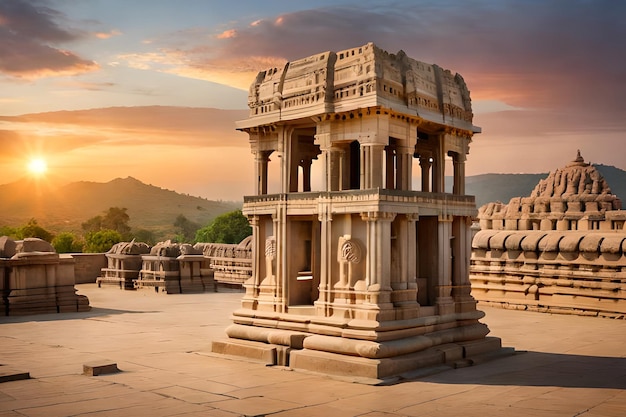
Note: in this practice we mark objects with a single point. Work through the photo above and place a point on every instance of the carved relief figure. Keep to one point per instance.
(349, 252)
(270, 257)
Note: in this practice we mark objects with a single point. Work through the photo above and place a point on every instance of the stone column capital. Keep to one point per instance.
(377, 215)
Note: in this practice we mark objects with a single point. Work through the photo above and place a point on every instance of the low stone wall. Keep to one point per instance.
(569, 272)
(87, 266)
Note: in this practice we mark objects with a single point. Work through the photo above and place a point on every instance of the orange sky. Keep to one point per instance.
(546, 79)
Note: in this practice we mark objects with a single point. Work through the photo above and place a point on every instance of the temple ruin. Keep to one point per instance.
(123, 264)
(177, 268)
(356, 270)
(34, 279)
(231, 263)
(562, 249)
(575, 197)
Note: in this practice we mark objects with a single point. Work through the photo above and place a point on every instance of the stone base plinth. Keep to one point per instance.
(360, 349)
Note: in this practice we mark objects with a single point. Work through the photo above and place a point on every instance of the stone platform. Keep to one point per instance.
(384, 353)
(563, 366)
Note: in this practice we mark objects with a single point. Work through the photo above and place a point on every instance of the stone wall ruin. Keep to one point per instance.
(560, 250)
(34, 279)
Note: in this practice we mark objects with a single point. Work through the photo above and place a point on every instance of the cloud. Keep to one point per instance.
(24, 142)
(29, 32)
(199, 64)
(230, 33)
(87, 86)
(107, 35)
(125, 126)
(555, 54)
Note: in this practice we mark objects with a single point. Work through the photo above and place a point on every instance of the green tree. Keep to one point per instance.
(231, 227)
(8, 231)
(185, 228)
(101, 241)
(115, 218)
(145, 236)
(32, 229)
(67, 242)
(92, 225)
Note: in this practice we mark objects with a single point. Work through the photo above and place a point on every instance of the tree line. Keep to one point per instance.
(101, 232)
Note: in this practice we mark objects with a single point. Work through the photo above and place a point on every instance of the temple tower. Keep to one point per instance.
(357, 269)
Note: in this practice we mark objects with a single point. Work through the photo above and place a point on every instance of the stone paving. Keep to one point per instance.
(564, 366)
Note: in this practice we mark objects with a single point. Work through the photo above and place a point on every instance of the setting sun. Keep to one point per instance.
(37, 166)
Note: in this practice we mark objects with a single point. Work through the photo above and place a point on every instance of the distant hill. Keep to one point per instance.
(617, 180)
(502, 187)
(153, 208)
(64, 208)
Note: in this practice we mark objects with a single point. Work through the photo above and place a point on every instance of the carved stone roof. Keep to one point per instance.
(577, 178)
(574, 191)
(359, 78)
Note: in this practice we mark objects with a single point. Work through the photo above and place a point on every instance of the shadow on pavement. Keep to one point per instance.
(93, 312)
(542, 369)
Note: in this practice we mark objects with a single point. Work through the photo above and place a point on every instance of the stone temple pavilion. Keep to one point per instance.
(367, 275)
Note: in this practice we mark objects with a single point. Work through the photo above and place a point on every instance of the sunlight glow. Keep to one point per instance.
(37, 166)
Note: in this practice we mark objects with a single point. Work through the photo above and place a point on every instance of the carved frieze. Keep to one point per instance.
(356, 78)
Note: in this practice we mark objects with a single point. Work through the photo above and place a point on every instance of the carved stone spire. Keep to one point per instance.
(575, 179)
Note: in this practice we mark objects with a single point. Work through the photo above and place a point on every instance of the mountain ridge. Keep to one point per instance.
(66, 207)
(492, 187)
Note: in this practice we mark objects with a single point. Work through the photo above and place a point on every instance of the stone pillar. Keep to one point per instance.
(292, 155)
(288, 161)
(398, 253)
(444, 301)
(425, 164)
(458, 161)
(252, 284)
(306, 173)
(378, 258)
(344, 163)
(372, 165)
(254, 280)
(461, 252)
(273, 288)
(326, 261)
(282, 253)
(404, 158)
(333, 168)
(390, 168)
(403, 284)
(413, 256)
(439, 168)
(261, 159)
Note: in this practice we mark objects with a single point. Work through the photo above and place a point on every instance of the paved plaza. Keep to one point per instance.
(564, 366)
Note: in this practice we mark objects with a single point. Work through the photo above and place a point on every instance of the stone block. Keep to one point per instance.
(451, 352)
(352, 366)
(100, 368)
(252, 350)
(481, 346)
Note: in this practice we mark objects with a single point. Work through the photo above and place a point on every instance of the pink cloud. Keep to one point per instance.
(230, 33)
(27, 34)
(107, 35)
(554, 55)
(126, 126)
